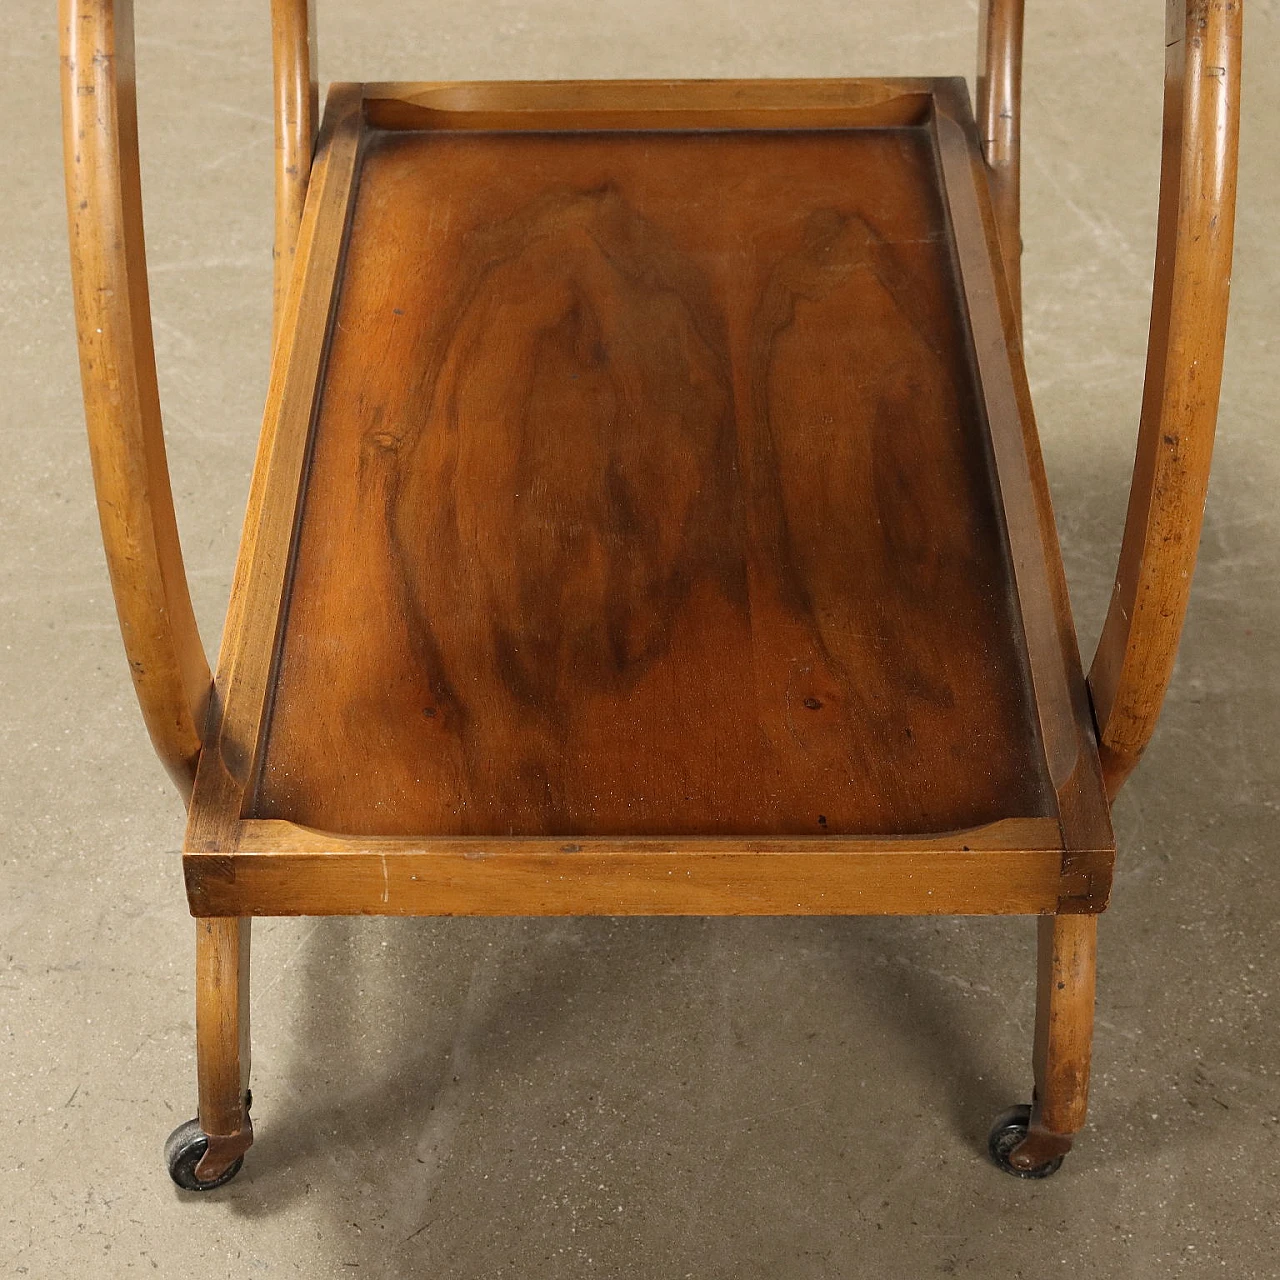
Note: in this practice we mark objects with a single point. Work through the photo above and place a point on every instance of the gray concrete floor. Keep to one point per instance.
(688, 1098)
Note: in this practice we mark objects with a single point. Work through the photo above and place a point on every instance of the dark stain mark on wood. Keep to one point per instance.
(638, 513)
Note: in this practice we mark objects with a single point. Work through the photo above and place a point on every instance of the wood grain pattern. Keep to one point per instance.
(267, 835)
(222, 1040)
(259, 587)
(649, 517)
(118, 373)
(281, 869)
(1066, 970)
(1134, 662)
(630, 105)
(1063, 705)
(997, 378)
(632, 525)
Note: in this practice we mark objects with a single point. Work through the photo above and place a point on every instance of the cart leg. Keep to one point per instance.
(206, 1152)
(1033, 1144)
(222, 1041)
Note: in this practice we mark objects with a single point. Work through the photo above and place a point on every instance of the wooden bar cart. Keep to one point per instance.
(648, 516)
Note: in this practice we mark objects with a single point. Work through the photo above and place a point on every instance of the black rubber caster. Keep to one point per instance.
(184, 1149)
(1007, 1132)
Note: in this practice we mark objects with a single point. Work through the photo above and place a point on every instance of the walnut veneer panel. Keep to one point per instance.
(650, 495)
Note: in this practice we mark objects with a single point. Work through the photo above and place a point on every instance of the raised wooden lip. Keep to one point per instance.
(1003, 415)
(637, 105)
(218, 829)
(259, 591)
(1062, 704)
(265, 836)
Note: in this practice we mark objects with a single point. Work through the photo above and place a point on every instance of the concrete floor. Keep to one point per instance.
(678, 1098)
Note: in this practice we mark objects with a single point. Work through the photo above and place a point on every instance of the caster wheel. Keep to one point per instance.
(1007, 1132)
(184, 1149)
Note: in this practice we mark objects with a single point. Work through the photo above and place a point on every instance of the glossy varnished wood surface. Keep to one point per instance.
(630, 105)
(645, 487)
(297, 117)
(650, 494)
(118, 375)
(259, 588)
(1134, 662)
(281, 869)
(999, 112)
(1062, 700)
(223, 947)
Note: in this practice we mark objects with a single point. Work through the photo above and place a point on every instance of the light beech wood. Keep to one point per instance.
(1065, 978)
(998, 113)
(1005, 409)
(1065, 715)
(1134, 662)
(222, 1040)
(278, 868)
(251, 632)
(624, 105)
(118, 373)
(821, 881)
(258, 835)
(297, 116)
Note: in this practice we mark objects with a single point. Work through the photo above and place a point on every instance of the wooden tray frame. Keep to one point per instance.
(1043, 863)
